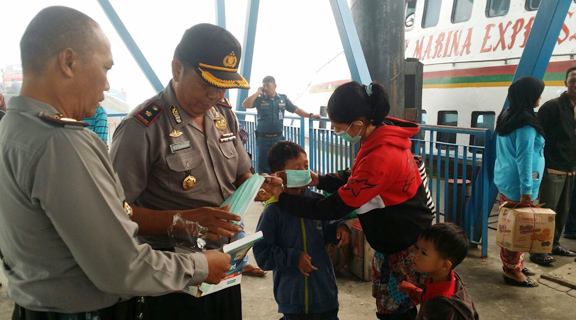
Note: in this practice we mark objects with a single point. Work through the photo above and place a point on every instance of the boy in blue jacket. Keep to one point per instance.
(295, 248)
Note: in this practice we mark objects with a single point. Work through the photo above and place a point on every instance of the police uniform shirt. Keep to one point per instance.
(154, 152)
(271, 113)
(67, 241)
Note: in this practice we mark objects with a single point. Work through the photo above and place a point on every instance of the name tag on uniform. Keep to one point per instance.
(227, 137)
(180, 146)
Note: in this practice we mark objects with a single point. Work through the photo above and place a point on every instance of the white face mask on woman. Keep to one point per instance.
(344, 135)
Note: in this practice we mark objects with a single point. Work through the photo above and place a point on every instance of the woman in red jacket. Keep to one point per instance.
(384, 187)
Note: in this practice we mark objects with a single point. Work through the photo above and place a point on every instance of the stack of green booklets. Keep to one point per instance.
(239, 203)
(241, 199)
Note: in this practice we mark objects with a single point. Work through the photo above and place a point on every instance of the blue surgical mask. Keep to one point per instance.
(297, 178)
(344, 135)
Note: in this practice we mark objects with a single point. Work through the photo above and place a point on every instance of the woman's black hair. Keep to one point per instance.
(352, 100)
(523, 95)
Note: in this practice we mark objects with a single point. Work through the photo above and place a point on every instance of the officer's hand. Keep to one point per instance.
(260, 91)
(269, 187)
(315, 116)
(305, 264)
(218, 265)
(215, 219)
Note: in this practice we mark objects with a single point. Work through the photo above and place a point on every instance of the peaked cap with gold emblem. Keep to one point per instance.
(215, 55)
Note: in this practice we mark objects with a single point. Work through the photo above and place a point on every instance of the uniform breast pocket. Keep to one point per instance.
(181, 165)
(228, 150)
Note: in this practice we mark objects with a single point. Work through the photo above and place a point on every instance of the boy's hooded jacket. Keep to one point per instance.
(285, 237)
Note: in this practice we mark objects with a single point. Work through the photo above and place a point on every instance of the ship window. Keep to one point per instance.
(431, 13)
(462, 10)
(447, 118)
(410, 14)
(481, 119)
(532, 5)
(496, 8)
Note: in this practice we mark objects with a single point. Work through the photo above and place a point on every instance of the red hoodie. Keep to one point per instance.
(384, 187)
(384, 172)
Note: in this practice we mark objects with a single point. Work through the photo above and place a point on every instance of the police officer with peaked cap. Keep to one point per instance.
(181, 150)
(68, 244)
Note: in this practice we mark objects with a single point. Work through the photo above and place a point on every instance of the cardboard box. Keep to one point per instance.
(362, 254)
(529, 229)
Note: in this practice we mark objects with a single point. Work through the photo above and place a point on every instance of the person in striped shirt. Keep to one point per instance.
(99, 124)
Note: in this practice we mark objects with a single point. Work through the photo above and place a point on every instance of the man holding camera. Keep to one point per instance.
(270, 106)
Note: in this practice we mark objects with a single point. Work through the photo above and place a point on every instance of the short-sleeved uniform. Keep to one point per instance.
(270, 125)
(158, 146)
(154, 154)
(67, 241)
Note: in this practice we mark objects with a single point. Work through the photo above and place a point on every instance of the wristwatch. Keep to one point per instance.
(310, 115)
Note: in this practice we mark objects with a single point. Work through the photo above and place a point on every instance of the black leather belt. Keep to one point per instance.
(268, 135)
(131, 309)
(561, 172)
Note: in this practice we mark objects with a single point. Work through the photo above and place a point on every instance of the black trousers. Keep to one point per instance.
(127, 310)
(408, 315)
(225, 304)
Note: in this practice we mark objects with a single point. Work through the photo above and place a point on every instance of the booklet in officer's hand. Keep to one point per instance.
(238, 250)
(243, 197)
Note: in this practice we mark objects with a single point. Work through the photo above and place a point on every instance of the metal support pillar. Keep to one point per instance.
(534, 61)
(248, 52)
(221, 13)
(131, 45)
(380, 25)
(221, 22)
(350, 42)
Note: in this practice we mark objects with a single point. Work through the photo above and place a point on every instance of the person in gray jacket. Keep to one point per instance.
(68, 245)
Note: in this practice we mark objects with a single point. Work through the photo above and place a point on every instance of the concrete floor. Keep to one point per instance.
(492, 297)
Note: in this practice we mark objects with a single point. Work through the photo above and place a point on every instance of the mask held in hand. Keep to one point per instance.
(297, 178)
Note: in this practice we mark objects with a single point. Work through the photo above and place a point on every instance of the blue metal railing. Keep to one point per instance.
(328, 152)
(453, 169)
(454, 175)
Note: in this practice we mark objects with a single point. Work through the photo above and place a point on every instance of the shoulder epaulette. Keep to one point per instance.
(148, 114)
(57, 119)
(225, 103)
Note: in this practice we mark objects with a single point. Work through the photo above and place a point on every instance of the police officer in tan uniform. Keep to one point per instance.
(67, 243)
(181, 150)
